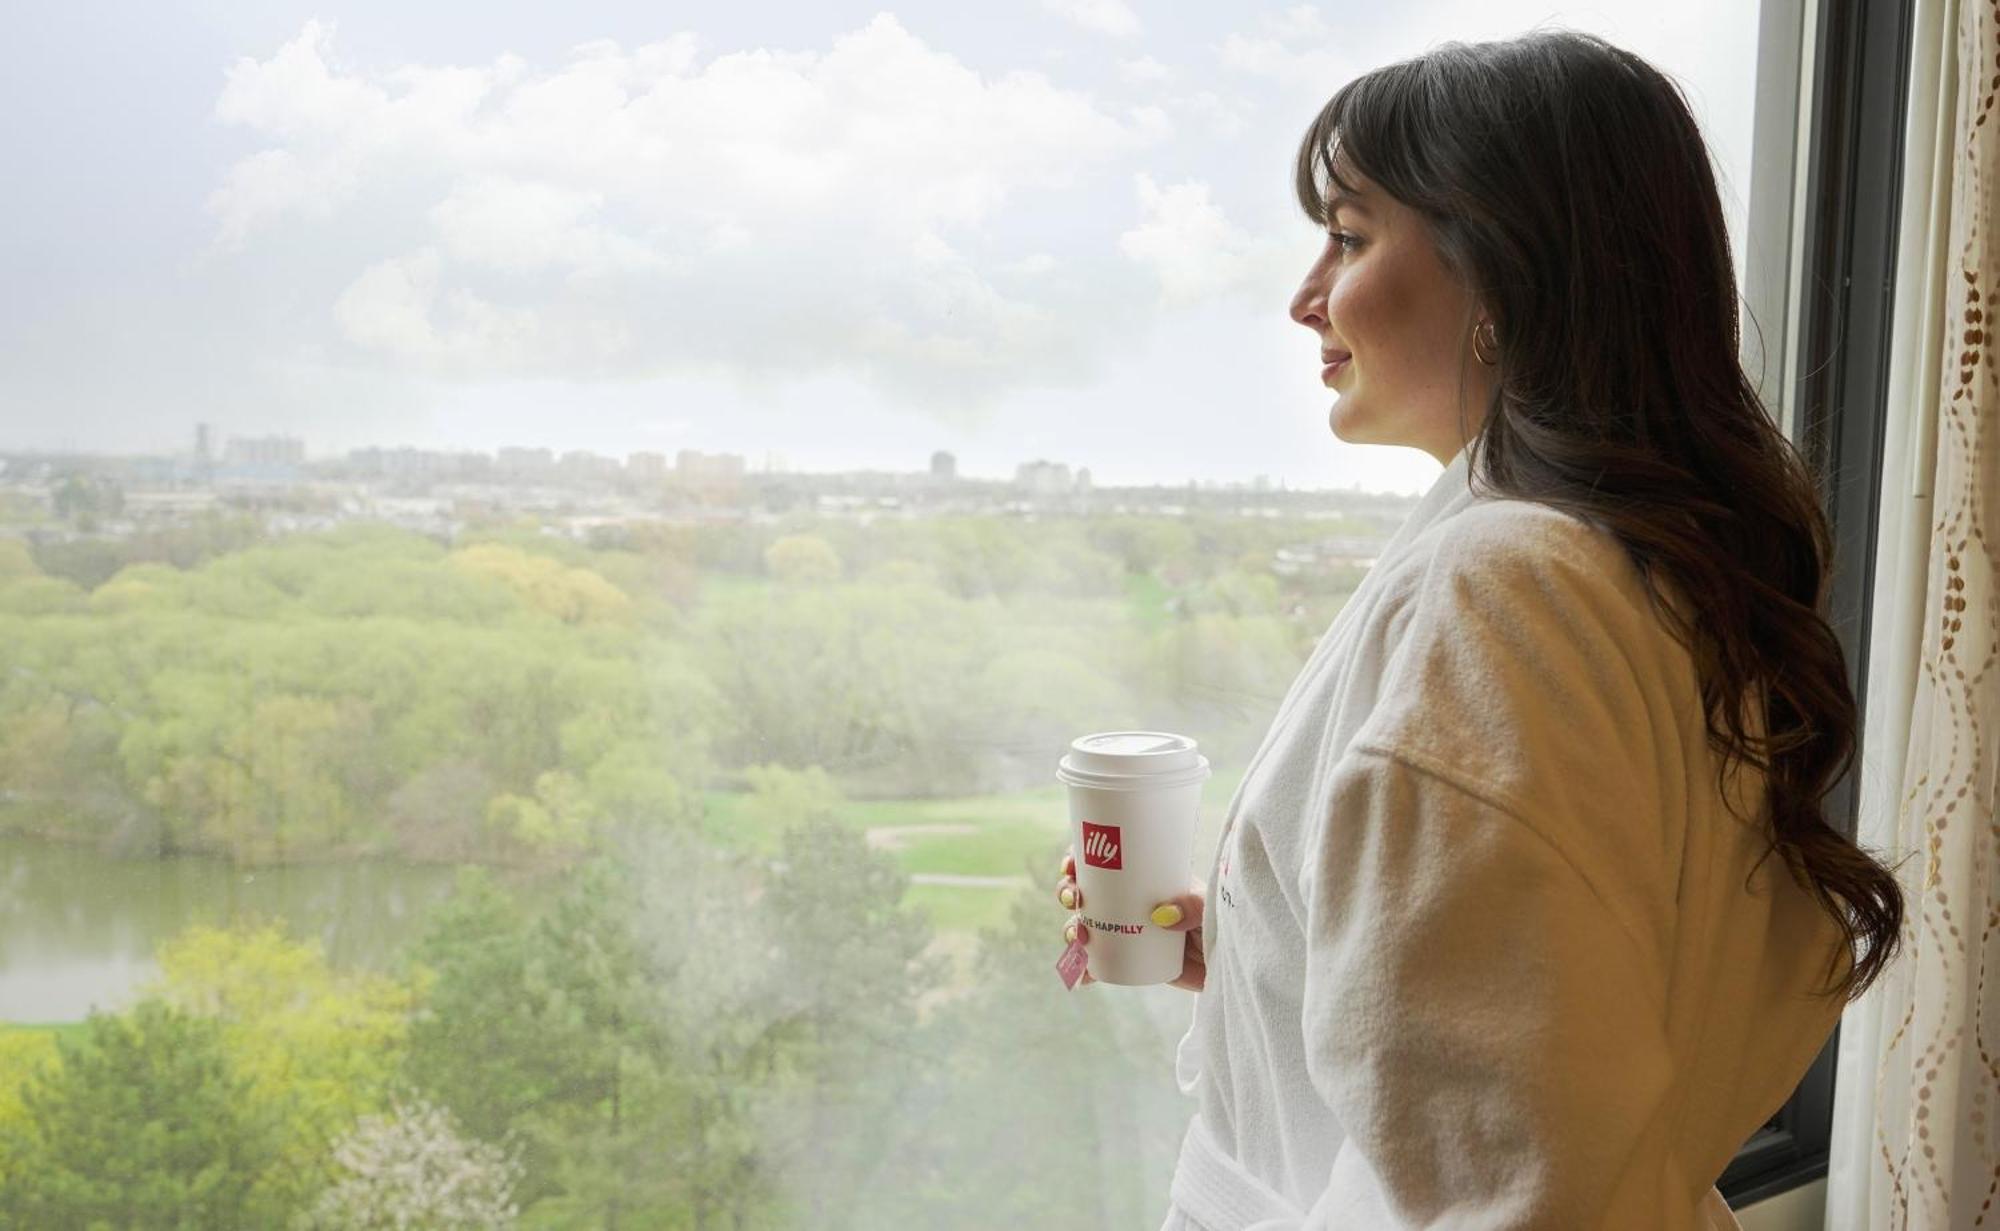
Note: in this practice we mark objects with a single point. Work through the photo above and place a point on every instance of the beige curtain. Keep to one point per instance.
(1916, 1125)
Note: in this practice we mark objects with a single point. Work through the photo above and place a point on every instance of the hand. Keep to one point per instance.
(1194, 968)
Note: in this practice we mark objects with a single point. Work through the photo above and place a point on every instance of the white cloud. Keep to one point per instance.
(388, 307)
(1297, 49)
(1113, 17)
(1301, 21)
(274, 182)
(399, 308)
(1142, 70)
(1222, 116)
(1193, 249)
(1031, 265)
(502, 223)
(1317, 70)
(635, 211)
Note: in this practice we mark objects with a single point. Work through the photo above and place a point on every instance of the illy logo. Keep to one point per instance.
(1100, 846)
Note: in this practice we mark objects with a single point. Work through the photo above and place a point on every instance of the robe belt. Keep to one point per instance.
(1215, 1191)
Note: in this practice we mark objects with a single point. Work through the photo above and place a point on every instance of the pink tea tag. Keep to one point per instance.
(1071, 964)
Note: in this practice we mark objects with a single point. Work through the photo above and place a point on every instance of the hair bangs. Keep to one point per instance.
(1320, 152)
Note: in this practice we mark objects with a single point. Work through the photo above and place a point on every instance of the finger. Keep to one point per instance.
(1075, 900)
(1190, 907)
(1194, 968)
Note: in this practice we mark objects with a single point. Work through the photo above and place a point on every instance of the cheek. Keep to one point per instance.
(1360, 315)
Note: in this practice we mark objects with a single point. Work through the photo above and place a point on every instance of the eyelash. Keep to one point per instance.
(1345, 238)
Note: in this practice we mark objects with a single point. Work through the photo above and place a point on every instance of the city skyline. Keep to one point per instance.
(826, 231)
(770, 462)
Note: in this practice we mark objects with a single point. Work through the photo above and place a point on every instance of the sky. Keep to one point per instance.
(824, 236)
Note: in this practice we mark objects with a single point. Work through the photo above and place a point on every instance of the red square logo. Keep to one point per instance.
(1101, 846)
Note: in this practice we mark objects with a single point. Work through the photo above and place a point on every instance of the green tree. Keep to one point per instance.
(572, 595)
(143, 1123)
(1056, 1109)
(848, 971)
(474, 1040)
(23, 1054)
(319, 1047)
(16, 560)
(802, 559)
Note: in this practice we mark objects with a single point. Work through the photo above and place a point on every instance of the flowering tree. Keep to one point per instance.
(410, 1167)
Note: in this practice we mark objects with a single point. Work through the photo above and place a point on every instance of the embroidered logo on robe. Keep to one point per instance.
(1101, 847)
(1222, 875)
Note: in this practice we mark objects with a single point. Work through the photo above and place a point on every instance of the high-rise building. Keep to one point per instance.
(585, 466)
(517, 463)
(695, 466)
(265, 450)
(1043, 478)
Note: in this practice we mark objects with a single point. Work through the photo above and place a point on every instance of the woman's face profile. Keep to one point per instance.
(1380, 293)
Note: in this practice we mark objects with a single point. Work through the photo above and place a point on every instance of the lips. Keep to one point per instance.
(1334, 356)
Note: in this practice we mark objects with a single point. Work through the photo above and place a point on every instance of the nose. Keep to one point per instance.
(1309, 301)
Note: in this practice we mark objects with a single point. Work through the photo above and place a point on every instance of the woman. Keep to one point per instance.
(1497, 943)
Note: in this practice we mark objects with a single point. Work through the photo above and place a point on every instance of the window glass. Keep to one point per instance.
(548, 555)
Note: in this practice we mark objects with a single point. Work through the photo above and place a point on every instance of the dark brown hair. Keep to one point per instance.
(1565, 182)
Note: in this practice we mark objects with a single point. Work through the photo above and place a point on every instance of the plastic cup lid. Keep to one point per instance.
(1132, 760)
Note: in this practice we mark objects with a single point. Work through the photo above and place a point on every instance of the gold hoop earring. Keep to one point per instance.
(1492, 344)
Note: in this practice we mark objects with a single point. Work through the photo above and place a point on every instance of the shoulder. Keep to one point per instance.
(1515, 540)
(1526, 640)
(1532, 568)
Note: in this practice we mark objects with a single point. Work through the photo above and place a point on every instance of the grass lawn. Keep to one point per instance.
(1025, 813)
(1022, 834)
(55, 1030)
(1147, 597)
(953, 908)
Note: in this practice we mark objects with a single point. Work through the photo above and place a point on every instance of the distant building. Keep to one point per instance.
(943, 465)
(584, 466)
(693, 466)
(1290, 561)
(204, 444)
(262, 459)
(265, 451)
(407, 463)
(153, 504)
(646, 465)
(1043, 478)
(518, 463)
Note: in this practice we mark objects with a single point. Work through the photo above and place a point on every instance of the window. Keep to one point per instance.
(547, 557)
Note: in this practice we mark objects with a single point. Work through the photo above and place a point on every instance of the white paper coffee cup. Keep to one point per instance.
(1134, 799)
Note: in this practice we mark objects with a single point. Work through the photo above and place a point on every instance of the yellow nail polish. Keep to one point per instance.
(1167, 915)
(1069, 898)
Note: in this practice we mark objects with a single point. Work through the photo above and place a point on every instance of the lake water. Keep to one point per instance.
(79, 929)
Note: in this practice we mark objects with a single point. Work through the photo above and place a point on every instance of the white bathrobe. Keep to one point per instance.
(1480, 951)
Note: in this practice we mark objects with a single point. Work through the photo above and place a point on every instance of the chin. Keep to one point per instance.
(1339, 417)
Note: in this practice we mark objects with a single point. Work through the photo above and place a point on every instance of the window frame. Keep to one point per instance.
(1833, 383)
